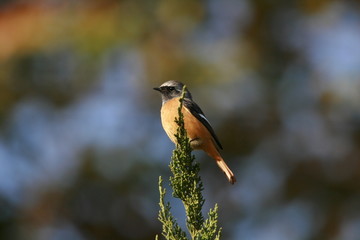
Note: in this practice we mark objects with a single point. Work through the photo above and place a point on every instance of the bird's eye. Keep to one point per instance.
(171, 88)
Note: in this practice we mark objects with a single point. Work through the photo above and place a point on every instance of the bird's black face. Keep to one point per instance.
(171, 89)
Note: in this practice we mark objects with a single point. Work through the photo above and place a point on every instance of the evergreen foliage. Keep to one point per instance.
(187, 186)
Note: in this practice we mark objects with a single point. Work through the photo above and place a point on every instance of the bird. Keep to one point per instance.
(198, 128)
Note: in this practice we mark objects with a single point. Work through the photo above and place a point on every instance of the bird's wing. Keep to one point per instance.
(198, 113)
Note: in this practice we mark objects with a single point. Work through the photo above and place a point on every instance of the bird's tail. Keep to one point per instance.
(229, 174)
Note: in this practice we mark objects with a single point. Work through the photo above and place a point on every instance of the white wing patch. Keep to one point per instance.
(203, 117)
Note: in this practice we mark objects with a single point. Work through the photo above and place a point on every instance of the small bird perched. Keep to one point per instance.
(198, 128)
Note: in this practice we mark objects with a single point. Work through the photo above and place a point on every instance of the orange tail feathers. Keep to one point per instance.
(229, 174)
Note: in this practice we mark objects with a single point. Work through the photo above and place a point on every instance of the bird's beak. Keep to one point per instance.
(157, 89)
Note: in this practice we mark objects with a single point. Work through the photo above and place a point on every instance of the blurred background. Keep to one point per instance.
(81, 143)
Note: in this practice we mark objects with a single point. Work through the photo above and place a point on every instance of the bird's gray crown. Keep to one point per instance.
(172, 89)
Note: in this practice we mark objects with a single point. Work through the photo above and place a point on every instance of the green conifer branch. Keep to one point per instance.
(171, 229)
(187, 186)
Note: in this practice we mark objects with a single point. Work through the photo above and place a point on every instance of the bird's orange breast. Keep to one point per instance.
(196, 131)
